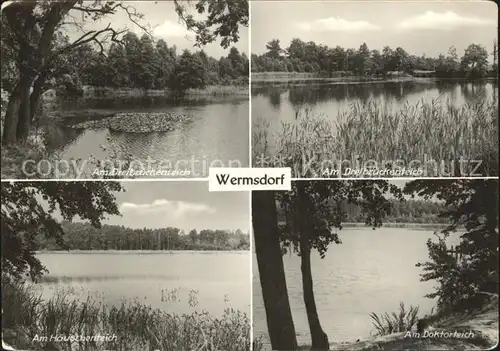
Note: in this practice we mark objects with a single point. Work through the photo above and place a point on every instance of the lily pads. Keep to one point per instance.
(137, 122)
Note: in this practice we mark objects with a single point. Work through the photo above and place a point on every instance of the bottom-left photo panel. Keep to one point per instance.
(130, 265)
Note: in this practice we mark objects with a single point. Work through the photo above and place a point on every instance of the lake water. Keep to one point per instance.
(275, 103)
(371, 271)
(221, 279)
(218, 132)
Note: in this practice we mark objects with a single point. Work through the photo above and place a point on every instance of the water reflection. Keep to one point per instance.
(217, 131)
(50, 279)
(278, 101)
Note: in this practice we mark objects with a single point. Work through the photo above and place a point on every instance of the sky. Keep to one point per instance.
(165, 24)
(181, 204)
(422, 27)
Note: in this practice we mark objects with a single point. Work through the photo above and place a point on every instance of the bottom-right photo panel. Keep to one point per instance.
(376, 265)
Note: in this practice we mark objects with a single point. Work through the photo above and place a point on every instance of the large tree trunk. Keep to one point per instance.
(11, 115)
(18, 117)
(318, 336)
(35, 95)
(272, 272)
(24, 117)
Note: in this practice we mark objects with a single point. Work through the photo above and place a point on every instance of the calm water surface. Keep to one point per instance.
(275, 103)
(371, 271)
(221, 279)
(219, 131)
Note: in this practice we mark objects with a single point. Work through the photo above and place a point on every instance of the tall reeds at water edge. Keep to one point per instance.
(135, 325)
(395, 322)
(434, 130)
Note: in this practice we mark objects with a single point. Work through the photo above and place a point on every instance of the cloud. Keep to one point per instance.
(167, 207)
(170, 29)
(443, 21)
(337, 24)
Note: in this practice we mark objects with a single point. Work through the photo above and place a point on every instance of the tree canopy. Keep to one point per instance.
(29, 211)
(31, 32)
(310, 57)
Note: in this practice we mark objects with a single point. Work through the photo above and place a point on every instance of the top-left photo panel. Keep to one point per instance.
(108, 89)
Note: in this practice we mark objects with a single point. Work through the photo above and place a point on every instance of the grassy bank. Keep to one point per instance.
(105, 93)
(280, 77)
(340, 77)
(431, 135)
(398, 331)
(132, 325)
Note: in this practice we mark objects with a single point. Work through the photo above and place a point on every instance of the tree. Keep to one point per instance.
(312, 208)
(272, 272)
(475, 61)
(472, 204)
(32, 27)
(274, 49)
(148, 66)
(296, 49)
(223, 21)
(189, 73)
(494, 67)
(165, 60)
(193, 235)
(25, 219)
(119, 64)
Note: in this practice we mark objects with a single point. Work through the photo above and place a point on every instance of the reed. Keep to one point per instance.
(395, 322)
(432, 135)
(136, 325)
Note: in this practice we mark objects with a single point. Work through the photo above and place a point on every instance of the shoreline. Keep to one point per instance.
(396, 225)
(118, 252)
(104, 93)
(402, 225)
(360, 79)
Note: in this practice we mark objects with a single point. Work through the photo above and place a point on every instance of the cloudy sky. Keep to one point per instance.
(161, 16)
(418, 27)
(180, 204)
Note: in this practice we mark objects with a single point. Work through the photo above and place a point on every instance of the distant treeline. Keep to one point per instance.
(409, 211)
(325, 61)
(83, 236)
(144, 63)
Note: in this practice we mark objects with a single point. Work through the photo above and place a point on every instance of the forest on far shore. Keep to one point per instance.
(408, 211)
(310, 57)
(84, 236)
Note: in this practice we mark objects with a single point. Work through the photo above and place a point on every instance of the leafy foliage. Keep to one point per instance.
(35, 47)
(25, 217)
(310, 57)
(223, 21)
(466, 279)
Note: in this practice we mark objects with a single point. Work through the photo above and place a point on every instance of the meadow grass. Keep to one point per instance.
(131, 325)
(431, 135)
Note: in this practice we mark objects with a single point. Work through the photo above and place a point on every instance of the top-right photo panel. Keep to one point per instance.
(364, 89)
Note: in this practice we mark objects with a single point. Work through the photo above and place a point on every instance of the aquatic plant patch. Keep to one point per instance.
(137, 122)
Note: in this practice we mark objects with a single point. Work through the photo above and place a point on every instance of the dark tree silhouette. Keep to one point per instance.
(25, 218)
